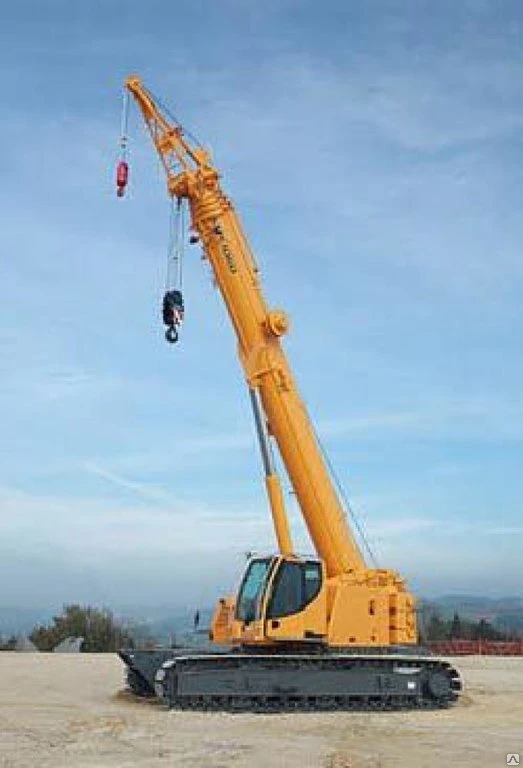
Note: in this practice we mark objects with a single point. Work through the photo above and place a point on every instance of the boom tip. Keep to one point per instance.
(132, 81)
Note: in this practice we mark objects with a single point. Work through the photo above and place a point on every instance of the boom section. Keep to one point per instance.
(259, 329)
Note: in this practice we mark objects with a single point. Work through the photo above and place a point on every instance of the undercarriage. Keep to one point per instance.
(355, 679)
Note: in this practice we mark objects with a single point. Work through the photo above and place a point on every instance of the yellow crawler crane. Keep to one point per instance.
(325, 632)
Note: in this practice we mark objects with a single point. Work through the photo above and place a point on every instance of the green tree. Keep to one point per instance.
(436, 628)
(456, 630)
(483, 630)
(99, 629)
(8, 645)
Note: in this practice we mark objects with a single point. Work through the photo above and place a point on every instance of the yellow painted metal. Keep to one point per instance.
(360, 606)
(279, 517)
(223, 620)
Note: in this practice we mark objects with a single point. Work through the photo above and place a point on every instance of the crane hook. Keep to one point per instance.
(171, 334)
(172, 313)
(122, 170)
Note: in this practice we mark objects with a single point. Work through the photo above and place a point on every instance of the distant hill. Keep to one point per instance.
(475, 603)
(504, 613)
(170, 628)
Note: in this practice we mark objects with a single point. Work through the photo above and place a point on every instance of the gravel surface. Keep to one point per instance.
(72, 711)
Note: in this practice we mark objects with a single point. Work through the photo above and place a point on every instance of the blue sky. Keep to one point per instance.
(374, 151)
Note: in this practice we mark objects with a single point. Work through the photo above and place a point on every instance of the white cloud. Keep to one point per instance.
(384, 529)
(88, 525)
(479, 417)
(144, 490)
(63, 548)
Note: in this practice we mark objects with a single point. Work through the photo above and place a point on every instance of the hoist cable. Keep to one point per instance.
(348, 508)
(173, 117)
(124, 124)
(172, 253)
(182, 243)
(174, 278)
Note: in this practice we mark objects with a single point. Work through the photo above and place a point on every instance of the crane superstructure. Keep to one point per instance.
(286, 603)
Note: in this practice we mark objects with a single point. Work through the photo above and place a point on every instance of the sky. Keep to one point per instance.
(374, 152)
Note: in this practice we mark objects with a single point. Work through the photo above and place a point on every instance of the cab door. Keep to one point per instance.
(296, 608)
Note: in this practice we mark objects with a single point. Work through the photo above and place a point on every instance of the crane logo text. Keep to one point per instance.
(229, 258)
(227, 253)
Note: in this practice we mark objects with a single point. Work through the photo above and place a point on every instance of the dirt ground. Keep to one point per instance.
(70, 711)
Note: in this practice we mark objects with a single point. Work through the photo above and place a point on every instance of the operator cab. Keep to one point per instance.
(275, 587)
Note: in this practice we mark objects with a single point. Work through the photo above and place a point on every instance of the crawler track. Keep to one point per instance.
(261, 683)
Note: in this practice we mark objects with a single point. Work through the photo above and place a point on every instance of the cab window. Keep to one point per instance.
(295, 586)
(251, 590)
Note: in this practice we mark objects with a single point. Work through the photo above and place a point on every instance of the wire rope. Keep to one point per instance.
(346, 504)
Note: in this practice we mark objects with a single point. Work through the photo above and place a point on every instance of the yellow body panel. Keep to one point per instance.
(223, 620)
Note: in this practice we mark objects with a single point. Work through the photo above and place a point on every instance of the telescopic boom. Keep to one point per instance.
(191, 175)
